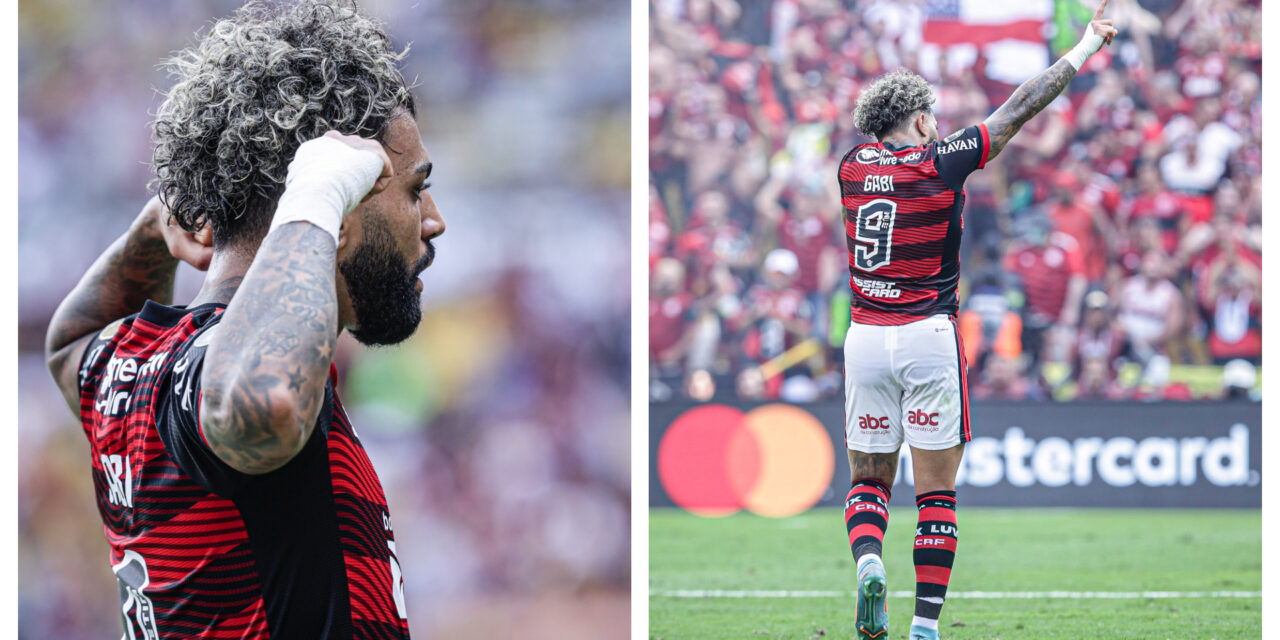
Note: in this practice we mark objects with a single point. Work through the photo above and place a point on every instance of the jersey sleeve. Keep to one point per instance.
(177, 419)
(962, 153)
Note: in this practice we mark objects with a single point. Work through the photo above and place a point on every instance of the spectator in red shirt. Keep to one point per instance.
(1155, 202)
(1143, 237)
(712, 239)
(1051, 272)
(1075, 217)
(1201, 69)
(1229, 240)
(804, 229)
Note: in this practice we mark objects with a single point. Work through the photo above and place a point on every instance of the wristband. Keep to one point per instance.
(1087, 46)
(325, 181)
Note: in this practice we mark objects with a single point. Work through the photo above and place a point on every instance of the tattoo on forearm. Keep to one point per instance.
(135, 268)
(264, 373)
(1027, 100)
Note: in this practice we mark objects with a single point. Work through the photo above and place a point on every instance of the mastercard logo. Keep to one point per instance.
(775, 460)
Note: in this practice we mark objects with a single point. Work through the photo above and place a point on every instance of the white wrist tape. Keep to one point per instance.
(1087, 46)
(326, 180)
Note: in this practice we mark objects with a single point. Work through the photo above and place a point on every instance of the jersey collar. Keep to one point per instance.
(895, 148)
(167, 316)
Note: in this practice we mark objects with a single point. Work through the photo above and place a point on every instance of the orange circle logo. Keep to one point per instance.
(775, 460)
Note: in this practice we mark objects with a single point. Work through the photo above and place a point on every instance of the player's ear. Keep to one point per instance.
(350, 231)
(204, 236)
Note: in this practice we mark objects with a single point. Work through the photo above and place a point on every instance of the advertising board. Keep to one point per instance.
(771, 459)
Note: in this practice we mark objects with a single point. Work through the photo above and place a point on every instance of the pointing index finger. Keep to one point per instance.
(1102, 7)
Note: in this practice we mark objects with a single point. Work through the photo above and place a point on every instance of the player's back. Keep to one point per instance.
(203, 551)
(903, 225)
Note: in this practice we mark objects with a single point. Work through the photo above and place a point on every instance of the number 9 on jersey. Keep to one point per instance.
(873, 231)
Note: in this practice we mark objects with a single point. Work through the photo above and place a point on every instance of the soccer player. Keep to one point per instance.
(236, 497)
(904, 365)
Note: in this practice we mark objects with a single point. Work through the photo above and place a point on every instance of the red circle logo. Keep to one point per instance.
(775, 460)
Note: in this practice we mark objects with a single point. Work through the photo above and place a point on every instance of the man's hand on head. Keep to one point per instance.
(328, 178)
(365, 144)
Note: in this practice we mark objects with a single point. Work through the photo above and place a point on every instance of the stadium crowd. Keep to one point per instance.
(1116, 239)
(500, 429)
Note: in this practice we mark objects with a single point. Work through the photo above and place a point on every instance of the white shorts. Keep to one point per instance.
(904, 381)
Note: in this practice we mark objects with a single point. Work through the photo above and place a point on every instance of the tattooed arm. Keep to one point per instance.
(1028, 100)
(138, 266)
(1036, 94)
(264, 374)
(265, 370)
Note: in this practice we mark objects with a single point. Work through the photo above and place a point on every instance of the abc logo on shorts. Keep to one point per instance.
(922, 418)
(872, 422)
(775, 460)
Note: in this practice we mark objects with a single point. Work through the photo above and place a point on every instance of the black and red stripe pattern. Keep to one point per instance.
(181, 555)
(903, 225)
(866, 516)
(935, 550)
(202, 551)
(364, 532)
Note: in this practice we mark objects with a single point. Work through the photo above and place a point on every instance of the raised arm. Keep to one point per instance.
(138, 266)
(1036, 94)
(265, 369)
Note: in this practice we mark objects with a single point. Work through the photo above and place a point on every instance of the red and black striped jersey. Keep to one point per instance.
(903, 224)
(201, 550)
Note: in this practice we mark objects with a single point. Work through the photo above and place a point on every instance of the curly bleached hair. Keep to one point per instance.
(257, 86)
(890, 101)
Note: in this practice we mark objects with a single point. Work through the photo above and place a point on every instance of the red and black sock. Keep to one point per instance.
(935, 551)
(866, 516)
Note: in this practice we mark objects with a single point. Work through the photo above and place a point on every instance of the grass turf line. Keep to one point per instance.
(1000, 550)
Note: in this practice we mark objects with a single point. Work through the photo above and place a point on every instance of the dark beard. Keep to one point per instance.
(383, 294)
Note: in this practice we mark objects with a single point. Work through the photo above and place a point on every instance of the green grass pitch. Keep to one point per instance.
(1006, 550)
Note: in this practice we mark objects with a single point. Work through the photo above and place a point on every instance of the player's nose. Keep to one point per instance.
(432, 222)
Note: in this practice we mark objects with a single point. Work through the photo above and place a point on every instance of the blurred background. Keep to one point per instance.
(500, 430)
(1112, 251)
